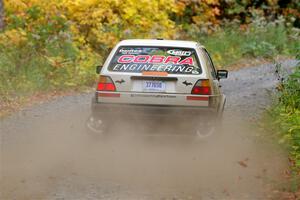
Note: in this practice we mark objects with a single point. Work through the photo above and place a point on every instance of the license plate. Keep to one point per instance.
(154, 86)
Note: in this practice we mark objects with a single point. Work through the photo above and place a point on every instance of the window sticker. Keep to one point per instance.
(155, 59)
(130, 51)
(175, 52)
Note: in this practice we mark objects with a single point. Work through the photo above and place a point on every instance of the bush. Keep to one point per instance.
(42, 60)
(56, 44)
(232, 42)
(285, 114)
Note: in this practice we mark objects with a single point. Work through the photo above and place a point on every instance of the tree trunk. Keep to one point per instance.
(2, 23)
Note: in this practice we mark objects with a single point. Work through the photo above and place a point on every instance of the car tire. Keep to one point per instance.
(210, 129)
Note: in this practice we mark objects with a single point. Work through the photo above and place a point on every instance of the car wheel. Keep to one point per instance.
(209, 129)
(203, 133)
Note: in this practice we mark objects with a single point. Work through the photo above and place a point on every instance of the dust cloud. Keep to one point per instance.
(53, 157)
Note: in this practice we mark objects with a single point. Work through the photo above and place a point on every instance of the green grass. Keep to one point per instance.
(284, 116)
(282, 121)
(52, 65)
(230, 44)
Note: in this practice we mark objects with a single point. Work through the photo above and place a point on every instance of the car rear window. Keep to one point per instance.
(173, 60)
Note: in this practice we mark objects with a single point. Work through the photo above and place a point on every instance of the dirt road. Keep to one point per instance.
(46, 154)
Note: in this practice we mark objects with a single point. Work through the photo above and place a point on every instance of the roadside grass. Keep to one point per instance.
(32, 67)
(260, 40)
(282, 120)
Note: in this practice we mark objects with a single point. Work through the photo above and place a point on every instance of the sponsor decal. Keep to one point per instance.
(155, 96)
(157, 63)
(187, 83)
(120, 81)
(130, 51)
(133, 67)
(175, 52)
(156, 59)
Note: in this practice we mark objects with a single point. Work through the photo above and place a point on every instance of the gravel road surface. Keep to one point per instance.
(46, 153)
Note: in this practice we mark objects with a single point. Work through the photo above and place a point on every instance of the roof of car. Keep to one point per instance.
(159, 42)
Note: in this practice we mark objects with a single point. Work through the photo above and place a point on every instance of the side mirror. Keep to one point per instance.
(98, 69)
(222, 74)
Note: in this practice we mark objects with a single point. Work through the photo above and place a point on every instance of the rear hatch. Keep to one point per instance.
(149, 74)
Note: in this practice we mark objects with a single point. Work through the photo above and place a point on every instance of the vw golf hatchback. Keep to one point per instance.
(158, 79)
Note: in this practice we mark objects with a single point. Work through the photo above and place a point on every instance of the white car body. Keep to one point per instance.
(174, 90)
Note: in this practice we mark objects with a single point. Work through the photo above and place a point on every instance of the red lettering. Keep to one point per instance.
(126, 59)
(141, 59)
(172, 59)
(187, 61)
(157, 59)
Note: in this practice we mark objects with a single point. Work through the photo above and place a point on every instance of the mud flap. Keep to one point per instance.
(221, 106)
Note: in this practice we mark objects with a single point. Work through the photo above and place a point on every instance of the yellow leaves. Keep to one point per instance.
(197, 19)
(200, 12)
(104, 22)
(16, 5)
(90, 18)
(57, 61)
(16, 37)
(218, 58)
(128, 13)
(142, 19)
(179, 8)
(81, 40)
(212, 2)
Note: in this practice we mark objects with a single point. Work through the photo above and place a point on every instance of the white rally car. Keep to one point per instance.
(158, 79)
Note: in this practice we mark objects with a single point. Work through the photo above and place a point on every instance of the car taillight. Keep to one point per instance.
(202, 87)
(106, 84)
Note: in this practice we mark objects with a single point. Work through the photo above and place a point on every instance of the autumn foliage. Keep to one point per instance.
(56, 44)
(99, 23)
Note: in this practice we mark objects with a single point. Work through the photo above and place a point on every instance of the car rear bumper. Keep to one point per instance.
(145, 110)
(153, 98)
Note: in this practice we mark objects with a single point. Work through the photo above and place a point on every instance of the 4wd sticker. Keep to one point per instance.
(175, 52)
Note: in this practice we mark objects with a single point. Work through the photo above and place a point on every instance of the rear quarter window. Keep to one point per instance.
(173, 60)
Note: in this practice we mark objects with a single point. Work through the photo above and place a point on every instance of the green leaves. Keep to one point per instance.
(286, 114)
(34, 12)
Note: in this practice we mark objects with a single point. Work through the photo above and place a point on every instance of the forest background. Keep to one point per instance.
(52, 46)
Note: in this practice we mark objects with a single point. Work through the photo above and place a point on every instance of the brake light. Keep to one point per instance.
(106, 84)
(202, 87)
